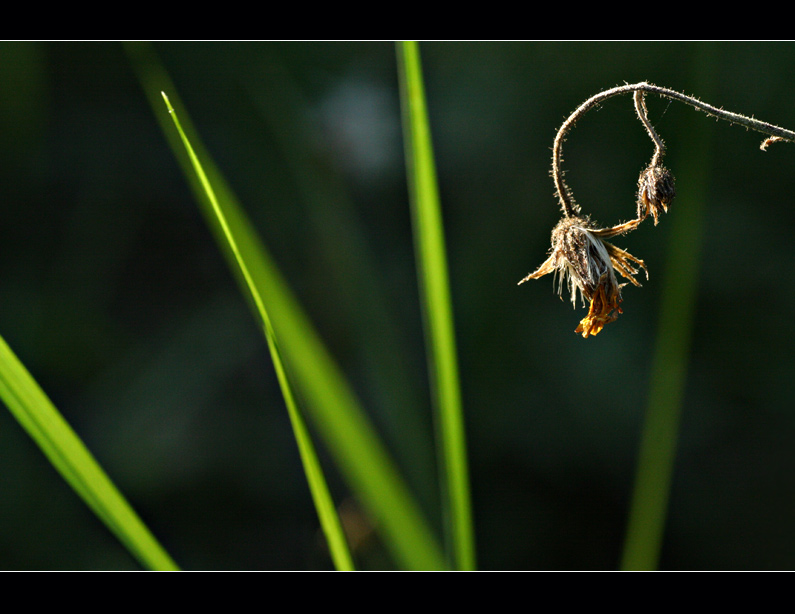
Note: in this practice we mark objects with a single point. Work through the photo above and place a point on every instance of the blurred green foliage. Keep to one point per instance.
(146, 346)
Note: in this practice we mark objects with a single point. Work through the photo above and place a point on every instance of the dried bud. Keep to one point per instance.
(588, 265)
(655, 191)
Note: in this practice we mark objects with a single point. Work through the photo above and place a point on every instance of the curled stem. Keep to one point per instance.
(567, 203)
(640, 109)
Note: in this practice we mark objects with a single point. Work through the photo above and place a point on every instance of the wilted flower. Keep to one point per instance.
(579, 253)
(655, 191)
(588, 265)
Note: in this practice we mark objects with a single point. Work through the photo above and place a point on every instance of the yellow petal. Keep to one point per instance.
(602, 311)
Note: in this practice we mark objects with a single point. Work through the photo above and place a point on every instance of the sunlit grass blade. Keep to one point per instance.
(332, 404)
(324, 504)
(436, 305)
(327, 397)
(38, 416)
(327, 513)
(649, 506)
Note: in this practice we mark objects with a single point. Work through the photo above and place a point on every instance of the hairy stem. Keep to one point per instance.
(640, 108)
(571, 208)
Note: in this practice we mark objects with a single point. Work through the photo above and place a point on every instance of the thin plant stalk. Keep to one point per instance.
(327, 513)
(32, 408)
(326, 395)
(324, 504)
(436, 304)
(571, 208)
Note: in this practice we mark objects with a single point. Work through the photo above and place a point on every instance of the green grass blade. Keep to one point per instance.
(436, 303)
(324, 504)
(35, 412)
(649, 506)
(329, 519)
(328, 398)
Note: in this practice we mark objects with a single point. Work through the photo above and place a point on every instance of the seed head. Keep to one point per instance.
(588, 266)
(655, 191)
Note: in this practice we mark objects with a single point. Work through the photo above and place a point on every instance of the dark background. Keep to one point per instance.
(114, 295)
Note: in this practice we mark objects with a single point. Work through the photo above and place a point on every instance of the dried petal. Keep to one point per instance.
(604, 309)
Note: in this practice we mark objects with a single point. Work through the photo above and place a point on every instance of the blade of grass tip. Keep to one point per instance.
(329, 399)
(327, 513)
(436, 303)
(649, 505)
(38, 416)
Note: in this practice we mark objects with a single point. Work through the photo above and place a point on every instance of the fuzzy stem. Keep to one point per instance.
(640, 108)
(570, 208)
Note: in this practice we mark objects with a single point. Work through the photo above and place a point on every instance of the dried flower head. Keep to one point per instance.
(579, 253)
(655, 191)
(588, 264)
